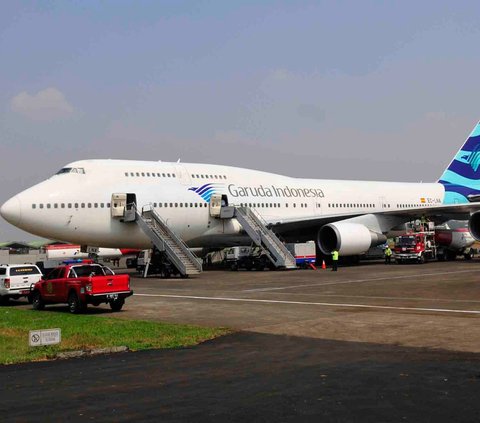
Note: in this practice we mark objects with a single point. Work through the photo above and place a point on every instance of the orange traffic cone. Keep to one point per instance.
(324, 266)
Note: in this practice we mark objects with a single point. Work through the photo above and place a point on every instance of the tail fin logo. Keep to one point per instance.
(206, 191)
(473, 159)
(461, 179)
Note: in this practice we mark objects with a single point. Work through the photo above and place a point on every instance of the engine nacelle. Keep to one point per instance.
(347, 238)
(474, 225)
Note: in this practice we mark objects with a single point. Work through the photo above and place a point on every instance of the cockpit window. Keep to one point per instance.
(71, 170)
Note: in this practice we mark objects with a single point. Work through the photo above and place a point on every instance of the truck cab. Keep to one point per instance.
(415, 247)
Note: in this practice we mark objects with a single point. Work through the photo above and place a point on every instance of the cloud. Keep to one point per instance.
(46, 105)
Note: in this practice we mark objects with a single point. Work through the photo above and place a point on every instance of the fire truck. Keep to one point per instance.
(416, 246)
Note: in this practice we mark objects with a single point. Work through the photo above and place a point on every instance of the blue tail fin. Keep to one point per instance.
(462, 176)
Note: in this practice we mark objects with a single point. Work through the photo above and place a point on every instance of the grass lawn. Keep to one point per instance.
(85, 332)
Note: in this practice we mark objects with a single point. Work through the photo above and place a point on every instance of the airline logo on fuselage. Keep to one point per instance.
(235, 191)
(207, 190)
(274, 191)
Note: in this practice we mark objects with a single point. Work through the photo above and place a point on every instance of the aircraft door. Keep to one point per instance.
(122, 206)
(182, 175)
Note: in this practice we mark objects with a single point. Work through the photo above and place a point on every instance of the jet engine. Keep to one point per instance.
(474, 225)
(347, 238)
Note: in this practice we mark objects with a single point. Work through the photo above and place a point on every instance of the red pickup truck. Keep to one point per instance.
(80, 284)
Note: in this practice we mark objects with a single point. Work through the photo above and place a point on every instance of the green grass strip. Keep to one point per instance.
(85, 332)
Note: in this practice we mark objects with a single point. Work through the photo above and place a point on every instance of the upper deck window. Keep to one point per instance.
(80, 170)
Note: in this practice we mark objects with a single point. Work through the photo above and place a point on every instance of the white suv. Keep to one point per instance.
(16, 279)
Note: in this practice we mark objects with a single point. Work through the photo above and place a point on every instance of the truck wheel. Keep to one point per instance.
(116, 305)
(74, 304)
(37, 301)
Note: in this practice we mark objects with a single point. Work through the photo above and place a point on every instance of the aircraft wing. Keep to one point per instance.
(389, 218)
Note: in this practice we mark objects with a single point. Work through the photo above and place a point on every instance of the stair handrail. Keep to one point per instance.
(171, 233)
(283, 250)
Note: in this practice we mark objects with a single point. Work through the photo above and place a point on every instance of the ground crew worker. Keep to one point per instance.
(334, 260)
(424, 221)
(388, 255)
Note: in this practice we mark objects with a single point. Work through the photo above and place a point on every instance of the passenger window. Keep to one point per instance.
(89, 205)
(83, 205)
(54, 274)
(168, 175)
(132, 174)
(76, 205)
(48, 205)
(163, 174)
(143, 174)
(69, 205)
(96, 205)
(108, 205)
(34, 206)
(126, 173)
(138, 174)
(62, 205)
(171, 204)
(148, 173)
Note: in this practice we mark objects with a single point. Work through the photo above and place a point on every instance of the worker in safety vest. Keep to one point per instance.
(388, 255)
(334, 260)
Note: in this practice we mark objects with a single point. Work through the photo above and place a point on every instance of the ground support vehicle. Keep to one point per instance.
(417, 247)
(304, 253)
(16, 279)
(80, 284)
(248, 258)
(155, 262)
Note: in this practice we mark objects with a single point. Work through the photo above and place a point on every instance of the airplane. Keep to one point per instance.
(77, 204)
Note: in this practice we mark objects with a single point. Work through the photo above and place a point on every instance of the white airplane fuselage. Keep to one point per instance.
(75, 206)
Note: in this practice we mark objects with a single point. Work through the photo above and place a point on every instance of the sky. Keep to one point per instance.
(366, 90)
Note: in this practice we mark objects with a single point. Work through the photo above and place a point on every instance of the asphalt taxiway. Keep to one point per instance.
(368, 343)
(436, 305)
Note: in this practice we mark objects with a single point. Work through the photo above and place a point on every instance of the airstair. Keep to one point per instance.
(264, 237)
(167, 241)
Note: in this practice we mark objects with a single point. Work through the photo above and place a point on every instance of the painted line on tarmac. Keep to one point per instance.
(373, 297)
(416, 276)
(253, 300)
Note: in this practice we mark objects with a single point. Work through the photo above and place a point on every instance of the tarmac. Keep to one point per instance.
(369, 343)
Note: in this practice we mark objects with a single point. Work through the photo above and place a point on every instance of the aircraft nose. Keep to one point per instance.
(11, 210)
